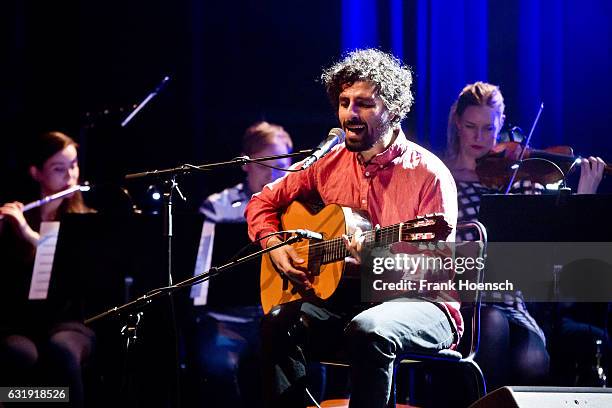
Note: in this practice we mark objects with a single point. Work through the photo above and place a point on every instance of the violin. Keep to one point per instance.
(545, 166)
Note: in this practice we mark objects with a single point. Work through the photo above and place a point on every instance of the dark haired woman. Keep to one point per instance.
(34, 337)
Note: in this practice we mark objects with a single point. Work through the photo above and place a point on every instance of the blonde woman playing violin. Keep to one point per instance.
(513, 347)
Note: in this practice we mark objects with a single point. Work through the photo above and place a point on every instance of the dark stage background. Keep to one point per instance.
(78, 66)
(81, 66)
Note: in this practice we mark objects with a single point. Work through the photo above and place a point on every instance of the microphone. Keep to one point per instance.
(335, 136)
(304, 233)
(146, 100)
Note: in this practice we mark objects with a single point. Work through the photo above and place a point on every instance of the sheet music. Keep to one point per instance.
(43, 263)
(199, 292)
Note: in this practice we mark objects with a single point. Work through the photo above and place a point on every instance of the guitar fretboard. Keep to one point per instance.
(334, 249)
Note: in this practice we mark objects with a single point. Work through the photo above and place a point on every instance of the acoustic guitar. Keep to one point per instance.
(325, 259)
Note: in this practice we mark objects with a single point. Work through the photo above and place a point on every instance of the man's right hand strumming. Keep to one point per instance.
(286, 259)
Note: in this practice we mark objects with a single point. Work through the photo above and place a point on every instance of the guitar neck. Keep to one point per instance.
(334, 249)
(325, 257)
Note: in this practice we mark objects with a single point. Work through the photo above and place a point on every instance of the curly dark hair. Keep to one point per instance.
(391, 78)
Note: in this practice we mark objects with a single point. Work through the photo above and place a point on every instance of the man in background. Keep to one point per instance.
(228, 312)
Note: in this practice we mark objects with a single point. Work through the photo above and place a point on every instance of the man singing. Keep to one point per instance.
(379, 171)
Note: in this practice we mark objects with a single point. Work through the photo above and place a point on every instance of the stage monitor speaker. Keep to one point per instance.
(546, 397)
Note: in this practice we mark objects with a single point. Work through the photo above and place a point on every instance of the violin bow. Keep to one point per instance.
(520, 159)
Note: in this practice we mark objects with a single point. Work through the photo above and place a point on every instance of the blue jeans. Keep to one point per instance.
(370, 339)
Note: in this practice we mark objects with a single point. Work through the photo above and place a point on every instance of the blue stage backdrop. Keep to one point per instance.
(78, 66)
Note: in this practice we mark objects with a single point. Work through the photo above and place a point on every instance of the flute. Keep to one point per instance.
(55, 196)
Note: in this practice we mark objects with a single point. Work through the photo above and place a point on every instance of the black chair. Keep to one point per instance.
(463, 357)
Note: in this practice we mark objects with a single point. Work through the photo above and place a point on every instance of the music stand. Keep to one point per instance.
(547, 218)
(564, 222)
(561, 219)
(240, 286)
(104, 260)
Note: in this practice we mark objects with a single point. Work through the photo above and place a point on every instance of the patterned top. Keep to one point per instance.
(469, 194)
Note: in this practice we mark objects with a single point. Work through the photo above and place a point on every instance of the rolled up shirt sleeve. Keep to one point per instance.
(262, 212)
(439, 195)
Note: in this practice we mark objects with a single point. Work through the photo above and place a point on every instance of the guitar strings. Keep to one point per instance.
(335, 247)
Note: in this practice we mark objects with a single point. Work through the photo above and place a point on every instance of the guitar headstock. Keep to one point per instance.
(431, 227)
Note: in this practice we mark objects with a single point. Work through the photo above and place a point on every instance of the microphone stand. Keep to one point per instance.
(154, 294)
(170, 184)
(238, 161)
(135, 308)
(145, 101)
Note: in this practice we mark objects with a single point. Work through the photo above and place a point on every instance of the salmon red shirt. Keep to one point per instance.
(399, 184)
